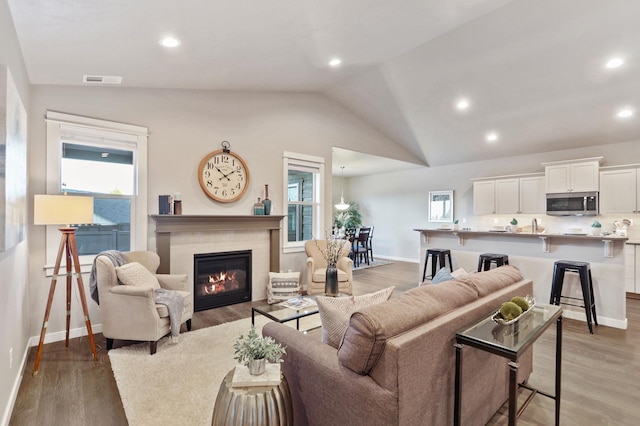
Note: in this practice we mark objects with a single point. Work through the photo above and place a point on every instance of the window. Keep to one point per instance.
(304, 176)
(106, 160)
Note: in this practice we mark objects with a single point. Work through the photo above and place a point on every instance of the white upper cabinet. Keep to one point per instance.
(620, 190)
(572, 176)
(507, 196)
(532, 195)
(484, 197)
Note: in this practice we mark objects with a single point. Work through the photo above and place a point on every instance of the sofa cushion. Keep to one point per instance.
(488, 282)
(441, 276)
(135, 274)
(336, 311)
(371, 327)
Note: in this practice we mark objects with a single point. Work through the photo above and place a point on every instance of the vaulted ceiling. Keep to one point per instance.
(533, 72)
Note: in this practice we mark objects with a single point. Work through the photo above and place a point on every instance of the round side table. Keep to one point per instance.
(253, 405)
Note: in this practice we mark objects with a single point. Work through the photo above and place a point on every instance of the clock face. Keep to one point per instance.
(223, 176)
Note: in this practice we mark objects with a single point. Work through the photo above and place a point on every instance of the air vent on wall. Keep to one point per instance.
(102, 79)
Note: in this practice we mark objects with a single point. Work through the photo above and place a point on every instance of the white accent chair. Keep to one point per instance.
(317, 268)
(129, 312)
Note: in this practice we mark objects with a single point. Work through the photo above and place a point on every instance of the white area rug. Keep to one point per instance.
(179, 384)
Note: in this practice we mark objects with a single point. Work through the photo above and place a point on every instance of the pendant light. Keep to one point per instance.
(342, 205)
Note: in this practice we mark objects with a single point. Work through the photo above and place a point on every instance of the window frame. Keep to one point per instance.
(294, 161)
(136, 136)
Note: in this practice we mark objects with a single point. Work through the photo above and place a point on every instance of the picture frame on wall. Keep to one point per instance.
(441, 206)
(13, 163)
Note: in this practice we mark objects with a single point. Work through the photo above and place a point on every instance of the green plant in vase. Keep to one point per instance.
(596, 227)
(254, 351)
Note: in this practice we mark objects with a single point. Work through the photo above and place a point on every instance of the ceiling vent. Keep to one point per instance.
(102, 79)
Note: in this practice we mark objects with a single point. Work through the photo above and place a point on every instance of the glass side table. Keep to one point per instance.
(510, 342)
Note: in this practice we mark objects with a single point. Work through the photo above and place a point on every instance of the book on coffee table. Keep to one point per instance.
(242, 377)
(298, 303)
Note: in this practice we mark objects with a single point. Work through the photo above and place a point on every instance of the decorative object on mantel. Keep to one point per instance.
(253, 351)
(258, 208)
(177, 203)
(223, 175)
(596, 228)
(266, 201)
(164, 204)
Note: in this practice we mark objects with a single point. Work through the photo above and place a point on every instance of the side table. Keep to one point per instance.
(510, 344)
(253, 405)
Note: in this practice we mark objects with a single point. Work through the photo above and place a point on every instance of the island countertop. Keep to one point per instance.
(463, 232)
(535, 256)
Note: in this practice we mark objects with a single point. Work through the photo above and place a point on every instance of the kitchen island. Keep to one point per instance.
(535, 254)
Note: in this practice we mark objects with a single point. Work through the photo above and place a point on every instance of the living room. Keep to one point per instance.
(263, 124)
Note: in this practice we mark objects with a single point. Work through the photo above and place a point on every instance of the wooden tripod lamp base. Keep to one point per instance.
(50, 210)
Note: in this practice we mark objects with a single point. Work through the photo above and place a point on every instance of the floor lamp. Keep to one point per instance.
(64, 210)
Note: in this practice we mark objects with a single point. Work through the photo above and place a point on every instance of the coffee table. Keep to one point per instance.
(279, 313)
(510, 342)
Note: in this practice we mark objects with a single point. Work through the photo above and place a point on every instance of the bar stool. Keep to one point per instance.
(486, 259)
(584, 269)
(437, 256)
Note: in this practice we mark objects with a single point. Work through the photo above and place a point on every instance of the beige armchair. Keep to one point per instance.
(317, 267)
(129, 312)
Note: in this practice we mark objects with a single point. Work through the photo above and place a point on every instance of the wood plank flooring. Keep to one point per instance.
(601, 383)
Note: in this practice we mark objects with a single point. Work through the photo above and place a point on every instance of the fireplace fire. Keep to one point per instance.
(221, 279)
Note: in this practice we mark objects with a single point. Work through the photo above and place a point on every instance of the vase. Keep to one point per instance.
(331, 280)
(257, 366)
(266, 201)
(595, 231)
(258, 208)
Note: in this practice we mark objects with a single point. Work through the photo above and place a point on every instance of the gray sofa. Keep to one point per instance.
(395, 365)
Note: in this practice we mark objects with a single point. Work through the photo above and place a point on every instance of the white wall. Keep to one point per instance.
(185, 125)
(396, 203)
(15, 311)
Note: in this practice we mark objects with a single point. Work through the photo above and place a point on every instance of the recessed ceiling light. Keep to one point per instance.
(170, 42)
(462, 104)
(614, 63)
(625, 113)
(335, 62)
(491, 137)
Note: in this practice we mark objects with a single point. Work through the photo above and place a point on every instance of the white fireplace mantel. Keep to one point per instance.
(166, 225)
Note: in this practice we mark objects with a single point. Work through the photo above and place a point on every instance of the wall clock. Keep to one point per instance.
(223, 175)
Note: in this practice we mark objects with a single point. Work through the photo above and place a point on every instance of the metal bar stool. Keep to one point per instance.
(586, 283)
(486, 259)
(438, 256)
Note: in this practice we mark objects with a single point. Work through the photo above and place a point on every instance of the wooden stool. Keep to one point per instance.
(437, 256)
(486, 259)
(586, 283)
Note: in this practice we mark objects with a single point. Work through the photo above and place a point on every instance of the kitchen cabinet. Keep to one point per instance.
(573, 176)
(532, 194)
(620, 190)
(484, 197)
(509, 195)
(632, 268)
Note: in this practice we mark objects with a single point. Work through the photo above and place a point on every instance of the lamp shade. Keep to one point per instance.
(62, 209)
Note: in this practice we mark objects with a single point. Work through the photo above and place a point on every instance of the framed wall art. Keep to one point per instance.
(441, 206)
(13, 163)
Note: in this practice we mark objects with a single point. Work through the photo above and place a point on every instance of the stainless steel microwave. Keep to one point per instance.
(572, 204)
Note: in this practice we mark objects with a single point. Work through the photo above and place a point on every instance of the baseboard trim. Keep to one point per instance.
(61, 335)
(609, 322)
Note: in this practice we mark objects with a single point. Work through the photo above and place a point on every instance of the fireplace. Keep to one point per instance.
(221, 279)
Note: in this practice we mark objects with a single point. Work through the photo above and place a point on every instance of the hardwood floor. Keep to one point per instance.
(600, 371)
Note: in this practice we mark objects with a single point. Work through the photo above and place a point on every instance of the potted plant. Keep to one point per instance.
(253, 351)
(514, 225)
(596, 227)
(349, 219)
(455, 225)
(333, 249)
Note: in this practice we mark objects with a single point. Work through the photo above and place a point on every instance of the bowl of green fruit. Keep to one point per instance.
(514, 309)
